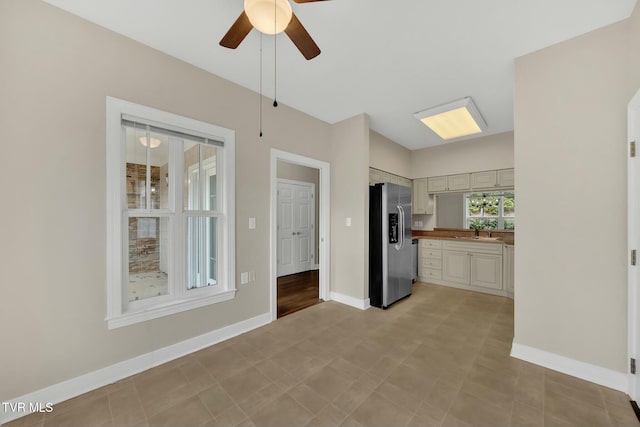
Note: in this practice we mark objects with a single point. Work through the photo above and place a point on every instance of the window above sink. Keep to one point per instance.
(490, 210)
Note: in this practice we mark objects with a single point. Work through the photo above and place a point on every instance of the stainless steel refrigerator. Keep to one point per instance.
(389, 244)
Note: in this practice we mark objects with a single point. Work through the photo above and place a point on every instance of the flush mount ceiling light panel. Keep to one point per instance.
(454, 119)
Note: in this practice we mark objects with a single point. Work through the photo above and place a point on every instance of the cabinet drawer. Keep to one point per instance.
(432, 253)
(431, 273)
(430, 244)
(431, 263)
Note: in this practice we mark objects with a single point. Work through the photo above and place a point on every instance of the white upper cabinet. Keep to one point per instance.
(506, 178)
(458, 182)
(422, 202)
(376, 176)
(436, 184)
(487, 179)
(439, 184)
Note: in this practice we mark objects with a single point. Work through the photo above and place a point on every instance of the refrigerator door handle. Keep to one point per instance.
(400, 243)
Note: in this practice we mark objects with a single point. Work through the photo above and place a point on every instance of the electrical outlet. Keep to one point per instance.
(244, 278)
(252, 223)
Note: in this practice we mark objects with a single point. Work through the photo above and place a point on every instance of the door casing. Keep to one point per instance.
(633, 242)
(323, 197)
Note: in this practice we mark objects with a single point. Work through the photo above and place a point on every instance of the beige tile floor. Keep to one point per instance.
(439, 358)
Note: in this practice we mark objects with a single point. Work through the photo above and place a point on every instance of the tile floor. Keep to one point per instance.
(439, 358)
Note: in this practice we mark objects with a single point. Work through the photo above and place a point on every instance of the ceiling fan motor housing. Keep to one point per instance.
(269, 16)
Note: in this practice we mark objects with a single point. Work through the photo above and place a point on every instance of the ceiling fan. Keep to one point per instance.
(271, 17)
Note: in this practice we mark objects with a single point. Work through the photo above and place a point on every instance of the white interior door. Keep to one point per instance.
(296, 227)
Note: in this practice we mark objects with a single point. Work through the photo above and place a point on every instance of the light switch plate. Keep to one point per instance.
(252, 223)
(244, 278)
(348, 222)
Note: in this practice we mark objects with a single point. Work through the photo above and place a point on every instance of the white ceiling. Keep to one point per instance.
(385, 58)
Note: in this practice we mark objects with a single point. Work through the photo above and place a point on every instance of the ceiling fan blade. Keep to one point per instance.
(301, 38)
(306, 1)
(237, 32)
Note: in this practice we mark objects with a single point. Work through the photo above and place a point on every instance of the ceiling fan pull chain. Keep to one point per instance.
(260, 97)
(275, 57)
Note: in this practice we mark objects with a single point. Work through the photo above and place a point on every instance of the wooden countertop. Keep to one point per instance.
(465, 234)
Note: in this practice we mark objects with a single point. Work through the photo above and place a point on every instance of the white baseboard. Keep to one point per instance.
(361, 304)
(586, 371)
(105, 376)
(316, 267)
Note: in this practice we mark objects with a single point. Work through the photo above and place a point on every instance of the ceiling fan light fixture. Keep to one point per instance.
(454, 119)
(269, 16)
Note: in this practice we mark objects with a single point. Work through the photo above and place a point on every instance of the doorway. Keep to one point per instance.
(320, 249)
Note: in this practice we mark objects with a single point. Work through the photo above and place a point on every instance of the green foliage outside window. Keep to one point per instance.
(486, 211)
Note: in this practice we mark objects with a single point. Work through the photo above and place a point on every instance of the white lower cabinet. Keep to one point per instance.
(455, 267)
(507, 268)
(430, 260)
(467, 264)
(486, 271)
(472, 269)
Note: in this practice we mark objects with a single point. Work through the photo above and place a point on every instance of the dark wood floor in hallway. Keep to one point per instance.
(297, 291)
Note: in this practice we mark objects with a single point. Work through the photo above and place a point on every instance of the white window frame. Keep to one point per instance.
(500, 217)
(119, 311)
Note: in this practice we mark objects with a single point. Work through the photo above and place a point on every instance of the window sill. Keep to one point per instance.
(167, 309)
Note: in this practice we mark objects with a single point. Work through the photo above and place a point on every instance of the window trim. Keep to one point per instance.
(500, 217)
(115, 239)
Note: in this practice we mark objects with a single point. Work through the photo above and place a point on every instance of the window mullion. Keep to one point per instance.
(178, 248)
(149, 203)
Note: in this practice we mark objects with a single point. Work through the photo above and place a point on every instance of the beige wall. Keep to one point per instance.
(479, 154)
(305, 174)
(570, 163)
(386, 155)
(350, 199)
(450, 210)
(56, 72)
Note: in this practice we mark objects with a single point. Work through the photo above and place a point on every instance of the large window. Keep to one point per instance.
(170, 242)
(490, 211)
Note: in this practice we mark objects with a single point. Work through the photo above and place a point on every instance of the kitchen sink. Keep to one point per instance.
(481, 238)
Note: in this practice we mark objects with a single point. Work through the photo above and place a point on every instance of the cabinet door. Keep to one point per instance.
(422, 202)
(486, 179)
(375, 176)
(486, 271)
(506, 178)
(436, 184)
(458, 182)
(455, 267)
(417, 203)
(507, 267)
(405, 182)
